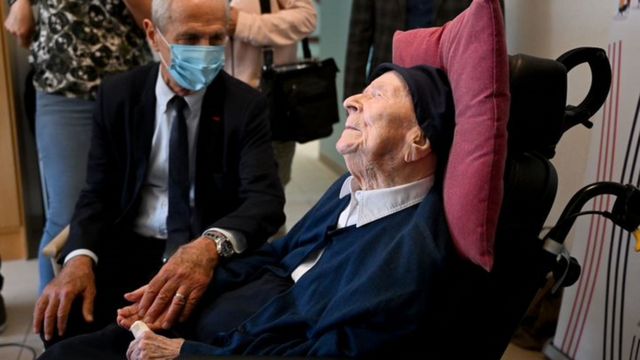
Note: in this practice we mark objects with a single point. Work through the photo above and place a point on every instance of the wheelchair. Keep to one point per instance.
(485, 308)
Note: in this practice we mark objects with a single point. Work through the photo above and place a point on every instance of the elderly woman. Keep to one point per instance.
(359, 274)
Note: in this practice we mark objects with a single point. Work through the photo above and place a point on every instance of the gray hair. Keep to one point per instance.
(161, 13)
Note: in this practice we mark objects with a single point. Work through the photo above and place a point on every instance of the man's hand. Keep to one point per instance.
(152, 346)
(53, 306)
(129, 314)
(20, 23)
(174, 292)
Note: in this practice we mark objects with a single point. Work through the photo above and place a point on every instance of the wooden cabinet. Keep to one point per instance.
(12, 225)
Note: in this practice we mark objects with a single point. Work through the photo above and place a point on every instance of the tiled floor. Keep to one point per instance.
(19, 292)
(309, 181)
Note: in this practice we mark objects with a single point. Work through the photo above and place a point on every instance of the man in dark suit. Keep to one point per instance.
(371, 29)
(180, 151)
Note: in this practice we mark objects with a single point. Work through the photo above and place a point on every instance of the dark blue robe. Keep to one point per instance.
(374, 289)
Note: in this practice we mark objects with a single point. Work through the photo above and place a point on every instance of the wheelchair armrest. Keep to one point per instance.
(54, 248)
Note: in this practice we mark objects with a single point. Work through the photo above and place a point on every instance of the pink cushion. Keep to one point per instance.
(471, 49)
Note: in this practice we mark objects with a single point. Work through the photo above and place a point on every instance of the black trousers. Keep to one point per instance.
(130, 263)
(215, 317)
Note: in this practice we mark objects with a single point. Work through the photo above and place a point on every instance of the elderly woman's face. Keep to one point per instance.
(378, 120)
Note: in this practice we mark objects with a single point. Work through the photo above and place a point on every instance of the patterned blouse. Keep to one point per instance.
(79, 42)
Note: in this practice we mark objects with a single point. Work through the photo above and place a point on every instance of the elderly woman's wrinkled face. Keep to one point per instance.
(378, 121)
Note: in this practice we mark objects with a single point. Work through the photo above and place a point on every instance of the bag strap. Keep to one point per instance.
(265, 6)
(306, 51)
(267, 52)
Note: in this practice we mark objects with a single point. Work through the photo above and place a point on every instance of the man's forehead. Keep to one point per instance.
(192, 21)
(193, 11)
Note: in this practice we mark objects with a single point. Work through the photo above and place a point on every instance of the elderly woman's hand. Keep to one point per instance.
(153, 346)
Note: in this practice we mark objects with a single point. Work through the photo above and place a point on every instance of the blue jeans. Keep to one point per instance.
(63, 136)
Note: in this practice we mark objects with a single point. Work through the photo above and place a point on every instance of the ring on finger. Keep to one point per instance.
(179, 297)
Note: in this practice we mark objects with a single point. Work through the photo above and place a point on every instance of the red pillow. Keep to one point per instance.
(471, 49)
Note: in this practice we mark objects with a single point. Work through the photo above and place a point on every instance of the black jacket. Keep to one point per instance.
(236, 183)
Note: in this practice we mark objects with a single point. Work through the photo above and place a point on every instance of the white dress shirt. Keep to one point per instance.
(370, 205)
(154, 206)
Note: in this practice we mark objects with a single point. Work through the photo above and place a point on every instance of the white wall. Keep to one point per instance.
(548, 28)
(334, 22)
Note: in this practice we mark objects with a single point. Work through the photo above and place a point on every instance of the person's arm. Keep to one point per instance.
(362, 335)
(20, 22)
(284, 27)
(77, 278)
(361, 30)
(260, 210)
(239, 270)
(259, 214)
(232, 275)
(139, 9)
(52, 309)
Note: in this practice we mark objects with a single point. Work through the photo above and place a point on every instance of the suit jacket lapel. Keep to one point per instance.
(143, 122)
(209, 148)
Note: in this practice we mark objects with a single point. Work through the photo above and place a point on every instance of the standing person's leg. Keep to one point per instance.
(283, 152)
(63, 136)
(3, 310)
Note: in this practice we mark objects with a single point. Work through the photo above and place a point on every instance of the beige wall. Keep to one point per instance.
(12, 231)
(548, 28)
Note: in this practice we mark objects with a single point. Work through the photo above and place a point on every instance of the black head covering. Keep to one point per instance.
(432, 103)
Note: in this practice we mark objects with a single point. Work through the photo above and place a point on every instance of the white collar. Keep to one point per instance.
(371, 205)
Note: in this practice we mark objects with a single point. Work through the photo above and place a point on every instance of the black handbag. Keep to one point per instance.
(302, 97)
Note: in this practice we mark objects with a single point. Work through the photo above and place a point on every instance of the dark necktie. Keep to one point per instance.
(178, 217)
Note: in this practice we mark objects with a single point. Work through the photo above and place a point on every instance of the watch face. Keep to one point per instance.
(226, 249)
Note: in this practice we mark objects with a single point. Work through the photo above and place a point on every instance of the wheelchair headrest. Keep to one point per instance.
(539, 113)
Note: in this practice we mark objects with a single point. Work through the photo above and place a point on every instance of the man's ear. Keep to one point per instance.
(418, 145)
(150, 31)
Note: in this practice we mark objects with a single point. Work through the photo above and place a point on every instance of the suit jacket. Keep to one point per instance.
(236, 184)
(373, 23)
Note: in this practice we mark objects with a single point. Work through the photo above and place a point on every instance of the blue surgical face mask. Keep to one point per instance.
(194, 67)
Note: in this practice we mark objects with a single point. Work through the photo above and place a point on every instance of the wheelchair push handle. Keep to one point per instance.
(600, 68)
(624, 213)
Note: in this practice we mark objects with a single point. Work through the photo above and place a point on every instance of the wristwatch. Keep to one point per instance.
(223, 244)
